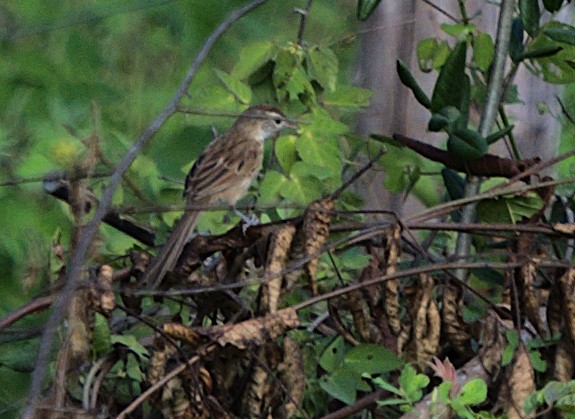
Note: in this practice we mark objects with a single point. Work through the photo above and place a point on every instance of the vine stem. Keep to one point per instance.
(494, 91)
(77, 260)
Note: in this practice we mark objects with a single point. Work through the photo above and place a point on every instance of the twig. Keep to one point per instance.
(357, 175)
(77, 262)
(440, 10)
(179, 369)
(304, 13)
(494, 91)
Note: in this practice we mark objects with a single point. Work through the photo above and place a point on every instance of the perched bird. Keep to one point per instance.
(222, 174)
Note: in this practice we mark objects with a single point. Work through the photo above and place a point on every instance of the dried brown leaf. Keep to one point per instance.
(455, 329)
(521, 384)
(427, 321)
(277, 256)
(184, 334)
(567, 283)
(565, 228)
(528, 296)
(316, 221)
(563, 363)
(493, 341)
(391, 287)
(292, 375)
(254, 331)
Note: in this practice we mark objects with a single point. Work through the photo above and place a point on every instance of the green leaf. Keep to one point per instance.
(544, 51)
(566, 404)
(516, 41)
(454, 183)
(408, 80)
(341, 384)
(371, 358)
(302, 169)
(381, 383)
(466, 144)
(483, 51)
(322, 66)
(285, 151)
(565, 34)
(558, 67)
(538, 363)
(458, 30)
(251, 58)
(101, 342)
(452, 74)
(332, 356)
(473, 392)
(271, 187)
(553, 391)
(412, 383)
(365, 8)
(552, 5)
(499, 134)
(432, 54)
(133, 369)
(301, 190)
(234, 85)
(132, 344)
(347, 97)
(530, 14)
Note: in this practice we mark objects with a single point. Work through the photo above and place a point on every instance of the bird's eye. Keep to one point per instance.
(277, 121)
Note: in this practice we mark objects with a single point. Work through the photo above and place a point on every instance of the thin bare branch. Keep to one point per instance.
(77, 262)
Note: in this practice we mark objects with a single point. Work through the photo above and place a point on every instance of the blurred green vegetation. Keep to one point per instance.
(75, 73)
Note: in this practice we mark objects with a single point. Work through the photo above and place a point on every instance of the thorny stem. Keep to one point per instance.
(494, 90)
(77, 260)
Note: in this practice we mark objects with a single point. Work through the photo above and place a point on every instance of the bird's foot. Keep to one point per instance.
(248, 220)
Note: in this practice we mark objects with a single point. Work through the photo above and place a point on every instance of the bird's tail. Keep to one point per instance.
(166, 259)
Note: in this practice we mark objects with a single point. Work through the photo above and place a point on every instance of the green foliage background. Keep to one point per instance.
(74, 69)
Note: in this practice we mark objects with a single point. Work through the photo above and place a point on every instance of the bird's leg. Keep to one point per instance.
(249, 220)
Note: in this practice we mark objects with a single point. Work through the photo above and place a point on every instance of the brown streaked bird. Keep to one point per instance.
(222, 174)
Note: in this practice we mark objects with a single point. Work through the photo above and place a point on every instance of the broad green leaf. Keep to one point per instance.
(565, 34)
(552, 5)
(411, 383)
(251, 58)
(341, 384)
(332, 356)
(285, 151)
(133, 369)
(537, 362)
(132, 344)
(544, 51)
(347, 97)
(408, 80)
(301, 190)
(509, 209)
(365, 8)
(447, 118)
(553, 391)
(483, 51)
(559, 67)
(431, 54)
(530, 14)
(516, 41)
(322, 66)
(101, 343)
(354, 259)
(271, 186)
(323, 153)
(466, 144)
(452, 74)
(380, 382)
(566, 404)
(454, 183)
(298, 85)
(458, 30)
(371, 358)
(303, 169)
(473, 392)
(235, 86)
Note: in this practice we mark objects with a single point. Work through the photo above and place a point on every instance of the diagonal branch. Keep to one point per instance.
(77, 262)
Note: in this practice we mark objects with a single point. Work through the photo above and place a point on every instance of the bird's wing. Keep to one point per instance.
(225, 164)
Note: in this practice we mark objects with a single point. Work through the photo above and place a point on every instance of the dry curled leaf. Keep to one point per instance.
(292, 375)
(103, 298)
(563, 362)
(493, 341)
(316, 221)
(277, 256)
(391, 287)
(565, 228)
(567, 283)
(184, 334)
(528, 296)
(254, 331)
(521, 384)
(455, 329)
(426, 322)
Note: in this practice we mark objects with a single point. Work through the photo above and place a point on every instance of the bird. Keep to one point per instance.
(221, 174)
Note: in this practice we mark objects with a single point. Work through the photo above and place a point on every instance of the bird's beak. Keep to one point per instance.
(291, 125)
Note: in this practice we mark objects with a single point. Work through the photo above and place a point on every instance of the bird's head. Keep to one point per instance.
(263, 122)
